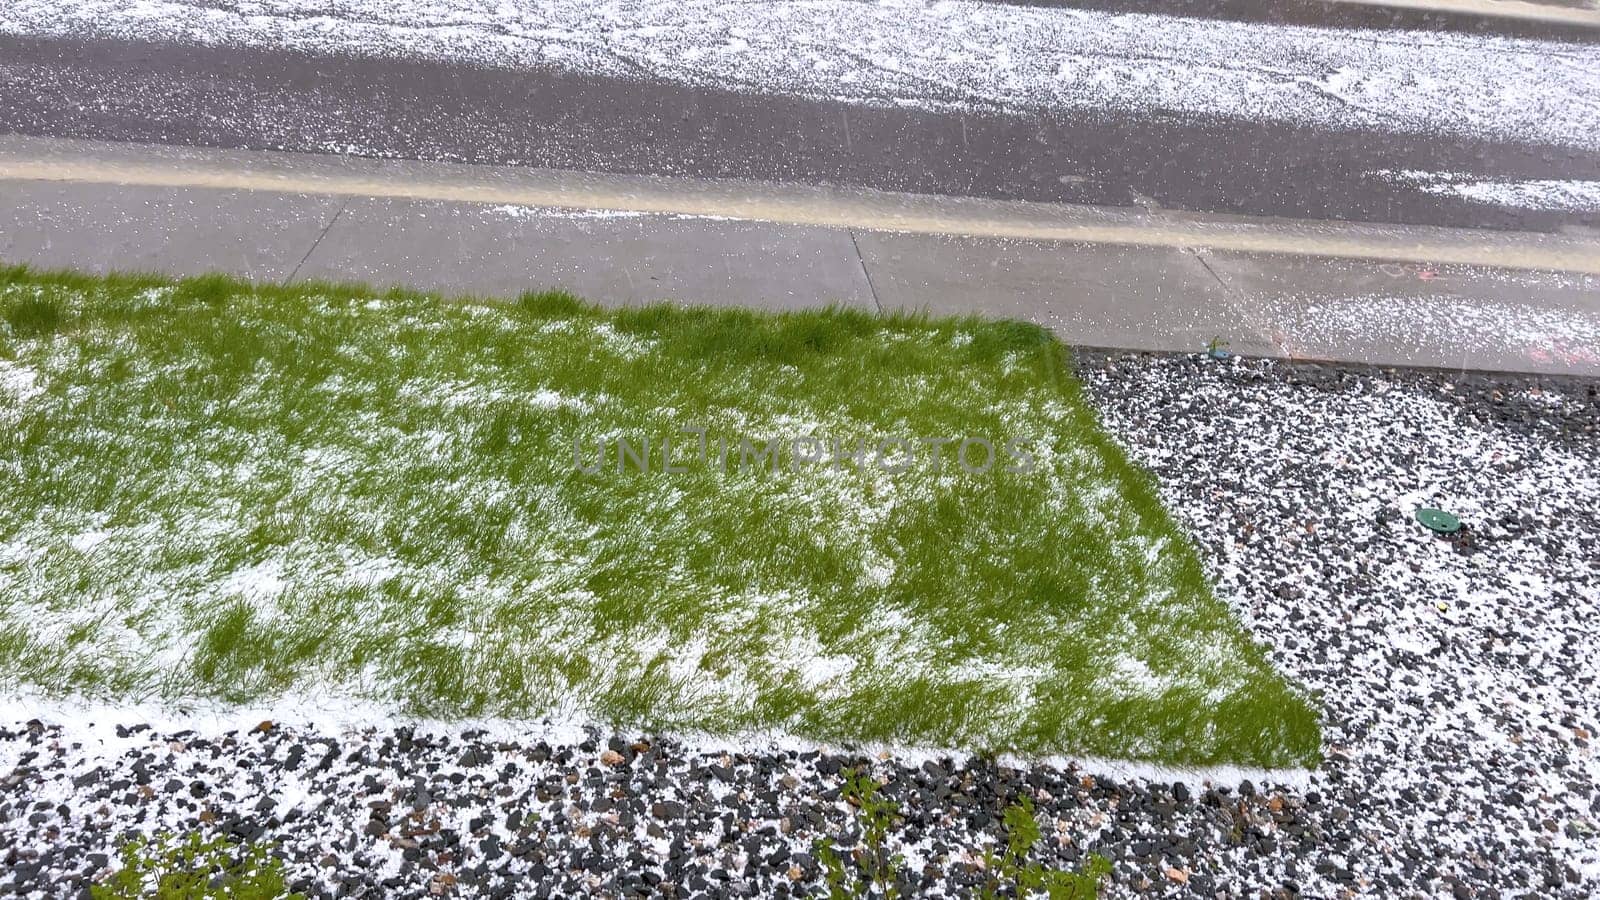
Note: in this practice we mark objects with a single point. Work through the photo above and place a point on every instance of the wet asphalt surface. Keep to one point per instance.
(241, 98)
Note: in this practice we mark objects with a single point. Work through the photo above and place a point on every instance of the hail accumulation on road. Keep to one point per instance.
(1031, 101)
(1455, 675)
(946, 54)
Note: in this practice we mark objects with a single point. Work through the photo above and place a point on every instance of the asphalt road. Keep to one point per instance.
(274, 99)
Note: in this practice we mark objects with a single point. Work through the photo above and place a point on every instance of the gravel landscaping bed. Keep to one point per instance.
(1456, 677)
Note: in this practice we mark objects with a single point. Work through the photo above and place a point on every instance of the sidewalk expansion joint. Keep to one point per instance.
(876, 303)
(343, 203)
(1238, 301)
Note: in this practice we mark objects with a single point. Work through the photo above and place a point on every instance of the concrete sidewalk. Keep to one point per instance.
(1098, 277)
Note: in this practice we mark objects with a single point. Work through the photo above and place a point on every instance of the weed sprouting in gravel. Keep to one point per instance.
(872, 870)
(1012, 874)
(194, 868)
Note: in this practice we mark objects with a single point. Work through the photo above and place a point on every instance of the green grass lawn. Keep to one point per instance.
(210, 491)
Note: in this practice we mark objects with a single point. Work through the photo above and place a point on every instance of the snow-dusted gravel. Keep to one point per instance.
(1457, 676)
(946, 55)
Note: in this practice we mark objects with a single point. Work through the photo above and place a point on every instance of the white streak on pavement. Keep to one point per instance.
(1541, 193)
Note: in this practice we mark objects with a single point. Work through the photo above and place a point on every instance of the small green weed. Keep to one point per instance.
(195, 869)
(871, 871)
(1011, 875)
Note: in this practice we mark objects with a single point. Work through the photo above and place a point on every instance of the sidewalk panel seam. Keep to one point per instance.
(876, 303)
(344, 202)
